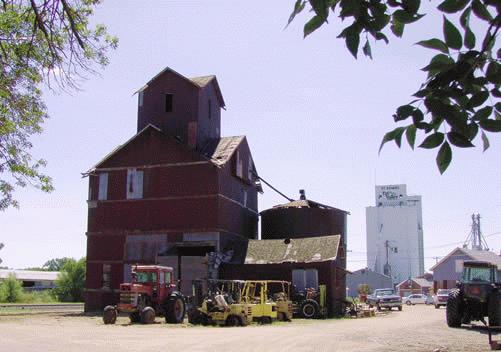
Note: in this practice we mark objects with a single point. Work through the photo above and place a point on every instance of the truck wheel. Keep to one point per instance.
(309, 309)
(148, 315)
(453, 310)
(175, 309)
(109, 315)
(135, 317)
(494, 309)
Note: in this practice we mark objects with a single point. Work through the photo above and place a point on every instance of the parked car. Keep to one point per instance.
(384, 298)
(440, 299)
(416, 299)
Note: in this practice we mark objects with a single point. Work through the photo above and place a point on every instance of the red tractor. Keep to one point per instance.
(152, 292)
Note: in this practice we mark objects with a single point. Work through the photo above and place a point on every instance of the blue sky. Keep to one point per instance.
(313, 115)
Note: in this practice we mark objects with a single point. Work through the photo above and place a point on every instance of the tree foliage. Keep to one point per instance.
(56, 264)
(42, 42)
(70, 282)
(458, 103)
(11, 290)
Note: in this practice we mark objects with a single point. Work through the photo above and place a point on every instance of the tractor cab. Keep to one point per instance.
(477, 279)
(154, 280)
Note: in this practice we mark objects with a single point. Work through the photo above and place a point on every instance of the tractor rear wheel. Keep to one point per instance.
(109, 315)
(135, 317)
(175, 309)
(453, 310)
(494, 309)
(309, 309)
(147, 315)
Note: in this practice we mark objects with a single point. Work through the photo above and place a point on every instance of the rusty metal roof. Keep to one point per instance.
(294, 250)
(304, 203)
(220, 151)
(203, 80)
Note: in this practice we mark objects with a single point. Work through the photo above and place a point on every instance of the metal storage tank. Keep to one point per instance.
(303, 218)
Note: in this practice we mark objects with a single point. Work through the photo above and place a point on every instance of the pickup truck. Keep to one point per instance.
(384, 298)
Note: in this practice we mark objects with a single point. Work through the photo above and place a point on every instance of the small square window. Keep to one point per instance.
(168, 102)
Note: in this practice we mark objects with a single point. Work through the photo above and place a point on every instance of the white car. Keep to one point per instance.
(416, 299)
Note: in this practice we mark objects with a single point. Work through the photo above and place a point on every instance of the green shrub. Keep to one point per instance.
(45, 296)
(70, 282)
(11, 290)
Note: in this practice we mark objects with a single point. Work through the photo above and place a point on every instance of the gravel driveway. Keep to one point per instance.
(416, 328)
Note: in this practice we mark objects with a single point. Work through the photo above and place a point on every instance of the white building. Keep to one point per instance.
(395, 233)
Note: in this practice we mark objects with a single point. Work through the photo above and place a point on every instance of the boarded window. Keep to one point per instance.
(134, 184)
(144, 248)
(103, 186)
(239, 165)
(459, 265)
(168, 102)
(140, 98)
(107, 276)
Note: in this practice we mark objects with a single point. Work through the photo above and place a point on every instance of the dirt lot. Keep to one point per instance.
(416, 328)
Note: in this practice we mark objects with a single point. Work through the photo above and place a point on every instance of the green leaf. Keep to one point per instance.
(312, 25)
(432, 141)
(481, 11)
(405, 17)
(381, 36)
(438, 63)
(491, 125)
(452, 6)
(392, 135)
(320, 7)
(434, 43)
(498, 107)
(412, 6)
(472, 131)
(493, 73)
(397, 28)
(459, 140)
(367, 49)
(465, 18)
(452, 36)
(298, 7)
(410, 134)
(469, 38)
(485, 141)
(483, 113)
(403, 112)
(444, 157)
(352, 42)
(478, 99)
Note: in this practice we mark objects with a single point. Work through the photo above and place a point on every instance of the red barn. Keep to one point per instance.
(175, 189)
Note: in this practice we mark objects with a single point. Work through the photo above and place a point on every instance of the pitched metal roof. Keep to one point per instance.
(29, 275)
(200, 82)
(485, 256)
(220, 151)
(295, 250)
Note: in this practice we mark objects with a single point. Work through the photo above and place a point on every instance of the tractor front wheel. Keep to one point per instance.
(109, 315)
(148, 315)
(175, 309)
(453, 311)
(310, 309)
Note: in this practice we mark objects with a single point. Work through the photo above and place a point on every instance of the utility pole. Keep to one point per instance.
(387, 266)
(436, 259)
(475, 240)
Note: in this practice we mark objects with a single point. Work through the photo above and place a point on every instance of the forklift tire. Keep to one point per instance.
(265, 320)
(399, 308)
(233, 320)
(194, 317)
(309, 309)
(494, 308)
(453, 310)
(175, 309)
(135, 317)
(281, 316)
(109, 315)
(147, 315)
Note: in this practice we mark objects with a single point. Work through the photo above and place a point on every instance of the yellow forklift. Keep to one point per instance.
(269, 299)
(221, 305)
